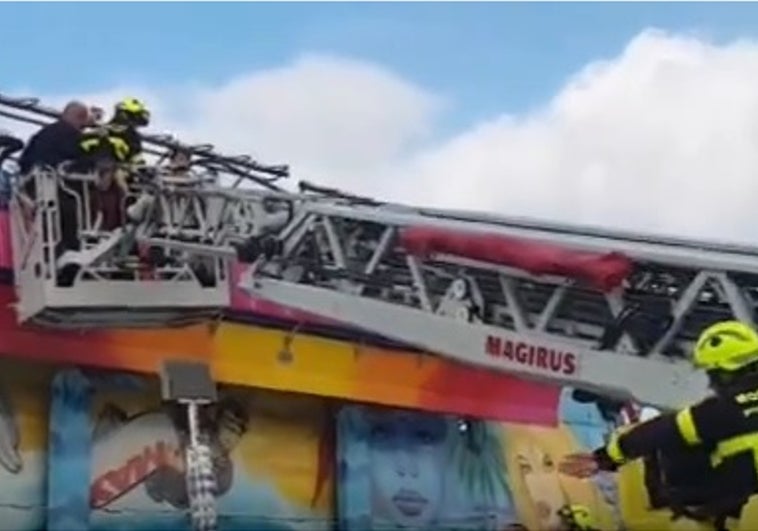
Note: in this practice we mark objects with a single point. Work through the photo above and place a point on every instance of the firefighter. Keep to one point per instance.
(718, 435)
(130, 115)
(119, 139)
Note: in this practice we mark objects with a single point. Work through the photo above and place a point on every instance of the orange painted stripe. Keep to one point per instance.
(273, 359)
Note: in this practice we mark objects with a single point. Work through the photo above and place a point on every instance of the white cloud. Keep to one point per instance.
(330, 118)
(663, 137)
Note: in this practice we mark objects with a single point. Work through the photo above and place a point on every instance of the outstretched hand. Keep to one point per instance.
(580, 466)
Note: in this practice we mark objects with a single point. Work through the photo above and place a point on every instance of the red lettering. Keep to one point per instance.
(542, 357)
(555, 360)
(522, 353)
(530, 355)
(493, 346)
(508, 349)
(116, 482)
(569, 363)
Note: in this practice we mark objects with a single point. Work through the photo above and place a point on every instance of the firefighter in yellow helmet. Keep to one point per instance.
(130, 115)
(576, 518)
(720, 433)
(119, 139)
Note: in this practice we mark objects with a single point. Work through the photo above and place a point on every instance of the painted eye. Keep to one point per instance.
(424, 436)
(524, 465)
(715, 341)
(548, 462)
(381, 432)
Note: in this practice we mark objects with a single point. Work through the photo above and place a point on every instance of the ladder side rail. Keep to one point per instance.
(82, 199)
(31, 256)
(203, 229)
(26, 229)
(303, 221)
(742, 259)
(643, 252)
(615, 303)
(49, 207)
(560, 229)
(693, 294)
(656, 381)
(304, 217)
(523, 321)
(586, 230)
(548, 227)
(522, 318)
(683, 305)
(96, 247)
(243, 215)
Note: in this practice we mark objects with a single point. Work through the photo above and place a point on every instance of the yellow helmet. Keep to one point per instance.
(577, 517)
(727, 346)
(134, 111)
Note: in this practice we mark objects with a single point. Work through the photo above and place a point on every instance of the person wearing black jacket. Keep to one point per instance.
(52, 145)
(718, 436)
(57, 142)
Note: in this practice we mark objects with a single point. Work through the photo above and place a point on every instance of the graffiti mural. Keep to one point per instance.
(532, 456)
(281, 458)
(23, 446)
(153, 456)
(406, 469)
(589, 430)
(269, 455)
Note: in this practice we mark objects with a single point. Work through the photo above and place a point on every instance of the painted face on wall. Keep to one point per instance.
(539, 489)
(408, 454)
(540, 475)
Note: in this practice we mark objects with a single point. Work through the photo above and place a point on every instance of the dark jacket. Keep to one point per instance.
(53, 144)
(724, 428)
(113, 142)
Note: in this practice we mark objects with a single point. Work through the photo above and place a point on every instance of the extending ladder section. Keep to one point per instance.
(614, 314)
(610, 313)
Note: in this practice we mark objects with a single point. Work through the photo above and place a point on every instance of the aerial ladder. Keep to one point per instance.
(605, 312)
(611, 314)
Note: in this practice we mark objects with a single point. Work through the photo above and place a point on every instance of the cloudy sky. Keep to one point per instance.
(641, 116)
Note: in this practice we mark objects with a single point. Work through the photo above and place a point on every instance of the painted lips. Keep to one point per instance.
(409, 502)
